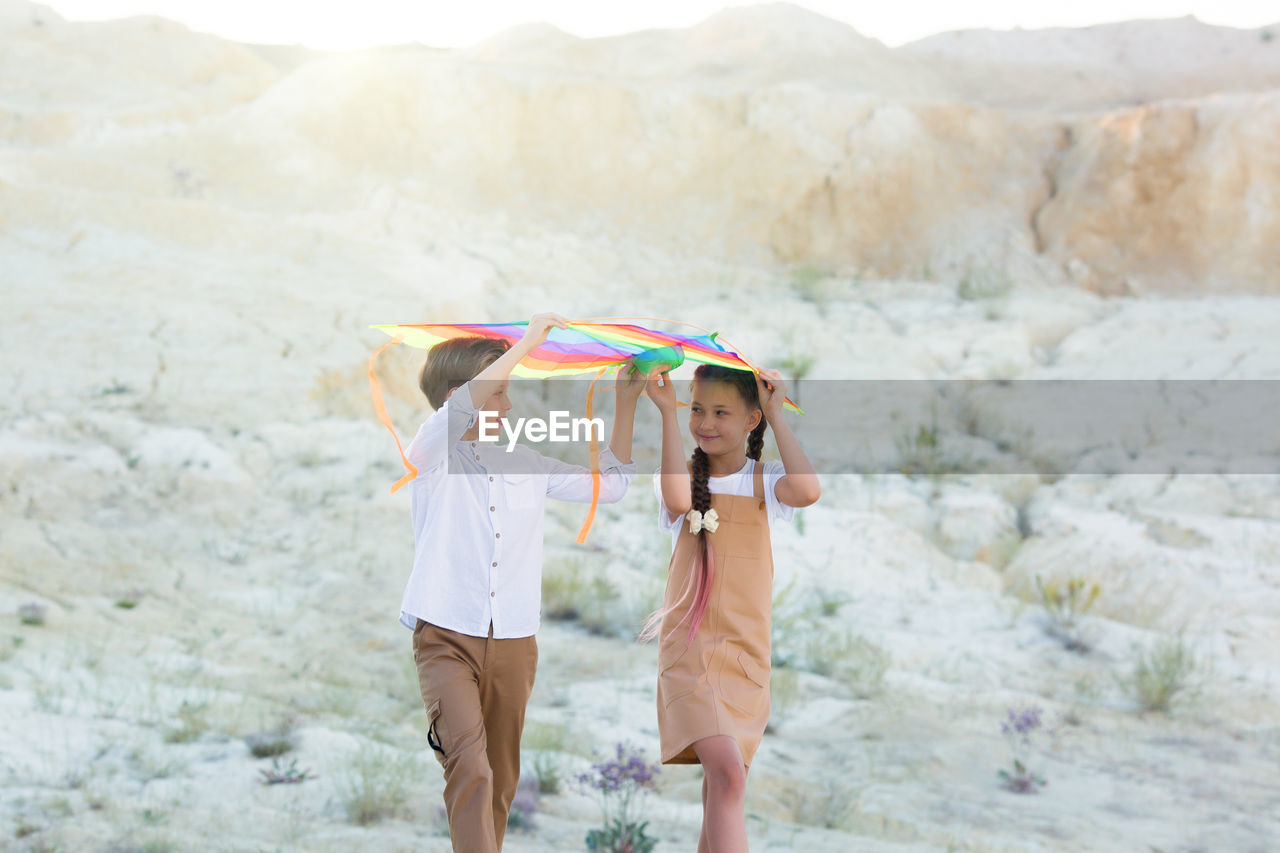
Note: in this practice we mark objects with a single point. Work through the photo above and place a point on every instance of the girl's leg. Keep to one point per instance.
(724, 824)
(702, 836)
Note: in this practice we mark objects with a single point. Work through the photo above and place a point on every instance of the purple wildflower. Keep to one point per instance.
(1021, 722)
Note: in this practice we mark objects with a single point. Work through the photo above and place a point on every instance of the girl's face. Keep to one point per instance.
(719, 419)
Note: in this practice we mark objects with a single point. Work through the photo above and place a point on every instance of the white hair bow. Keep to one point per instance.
(698, 521)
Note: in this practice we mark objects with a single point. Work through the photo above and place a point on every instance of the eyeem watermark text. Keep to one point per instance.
(561, 428)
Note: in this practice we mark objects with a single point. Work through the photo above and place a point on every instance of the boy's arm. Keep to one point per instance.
(568, 482)
(487, 382)
(441, 431)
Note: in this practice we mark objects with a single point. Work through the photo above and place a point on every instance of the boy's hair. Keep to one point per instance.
(451, 363)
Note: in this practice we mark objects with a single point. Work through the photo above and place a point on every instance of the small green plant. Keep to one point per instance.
(374, 785)
(620, 785)
(830, 804)
(922, 453)
(193, 720)
(524, 805)
(547, 742)
(129, 600)
(548, 768)
(797, 362)
(153, 817)
(784, 685)
(32, 613)
(48, 696)
(149, 764)
(10, 648)
(562, 589)
(1266, 35)
(789, 626)
(1066, 601)
(1017, 728)
(1000, 553)
(284, 775)
(595, 615)
(830, 600)
(1163, 674)
(808, 282)
(852, 659)
(158, 846)
(277, 741)
(619, 837)
(984, 284)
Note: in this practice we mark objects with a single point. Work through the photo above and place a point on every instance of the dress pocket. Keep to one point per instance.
(673, 683)
(745, 684)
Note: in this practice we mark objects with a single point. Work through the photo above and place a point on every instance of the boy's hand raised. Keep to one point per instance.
(490, 380)
(540, 325)
(630, 382)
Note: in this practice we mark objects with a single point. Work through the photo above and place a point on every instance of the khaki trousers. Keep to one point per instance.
(475, 690)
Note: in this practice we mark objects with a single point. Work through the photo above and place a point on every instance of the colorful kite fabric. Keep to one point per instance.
(584, 347)
(581, 348)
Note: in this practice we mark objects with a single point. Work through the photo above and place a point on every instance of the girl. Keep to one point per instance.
(713, 657)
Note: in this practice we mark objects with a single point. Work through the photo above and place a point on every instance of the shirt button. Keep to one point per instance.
(490, 509)
(495, 564)
(497, 536)
(490, 479)
(492, 594)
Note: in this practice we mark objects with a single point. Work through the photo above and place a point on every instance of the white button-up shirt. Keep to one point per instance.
(477, 523)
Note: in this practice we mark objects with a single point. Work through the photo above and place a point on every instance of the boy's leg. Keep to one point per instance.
(505, 686)
(449, 674)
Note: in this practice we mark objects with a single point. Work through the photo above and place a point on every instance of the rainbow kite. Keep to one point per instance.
(583, 347)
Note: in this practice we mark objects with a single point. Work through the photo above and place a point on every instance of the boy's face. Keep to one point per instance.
(498, 402)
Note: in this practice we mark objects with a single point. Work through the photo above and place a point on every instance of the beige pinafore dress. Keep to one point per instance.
(719, 684)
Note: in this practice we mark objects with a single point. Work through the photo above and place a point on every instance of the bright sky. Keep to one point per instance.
(344, 25)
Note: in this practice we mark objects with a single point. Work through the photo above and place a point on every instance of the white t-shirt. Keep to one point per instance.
(737, 483)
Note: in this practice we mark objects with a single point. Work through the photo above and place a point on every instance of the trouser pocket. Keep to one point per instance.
(433, 734)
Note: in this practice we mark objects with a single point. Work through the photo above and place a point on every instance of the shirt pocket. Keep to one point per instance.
(521, 490)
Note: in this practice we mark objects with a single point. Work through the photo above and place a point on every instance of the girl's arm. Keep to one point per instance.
(677, 493)
(627, 387)
(799, 486)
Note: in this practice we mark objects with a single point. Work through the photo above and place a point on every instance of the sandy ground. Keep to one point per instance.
(198, 542)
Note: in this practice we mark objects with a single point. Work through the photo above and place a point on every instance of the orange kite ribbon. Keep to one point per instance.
(595, 464)
(376, 388)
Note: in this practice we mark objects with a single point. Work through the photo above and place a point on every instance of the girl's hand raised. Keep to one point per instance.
(662, 392)
(773, 393)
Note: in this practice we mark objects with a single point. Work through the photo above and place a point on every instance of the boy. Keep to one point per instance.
(473, 599)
